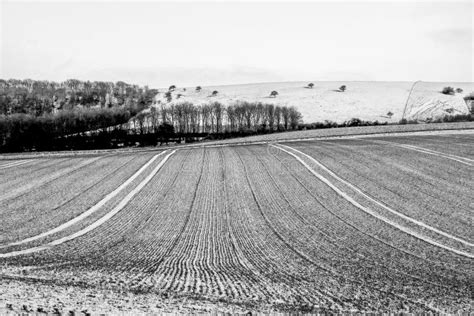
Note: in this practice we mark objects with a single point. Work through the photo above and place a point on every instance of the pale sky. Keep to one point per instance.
(212, 43)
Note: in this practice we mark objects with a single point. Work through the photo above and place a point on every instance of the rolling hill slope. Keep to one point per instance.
(364, 100)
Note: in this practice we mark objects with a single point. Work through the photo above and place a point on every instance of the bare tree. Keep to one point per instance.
(285, 113)
(218, 112)
(295, 117)
(278, 116)
(270, 114)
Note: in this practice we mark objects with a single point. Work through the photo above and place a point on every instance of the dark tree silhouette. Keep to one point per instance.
(214, 93)
(273, 94)
(448, 90)
(172, 88)
(459, 90)
(342, 88)
(310, 85)
(198, 88)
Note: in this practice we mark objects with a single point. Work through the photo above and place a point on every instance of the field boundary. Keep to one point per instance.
(407, 130)
(98, 222)
(371, 212)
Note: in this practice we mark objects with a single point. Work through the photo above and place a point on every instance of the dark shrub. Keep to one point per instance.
(448, 90)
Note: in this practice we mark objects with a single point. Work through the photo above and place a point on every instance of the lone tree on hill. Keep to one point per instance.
(390, 114)
(172, 88)
(310, 85)
(342, 88)
(273, 94)
(448, 90)
(198, 88)
(214, 93)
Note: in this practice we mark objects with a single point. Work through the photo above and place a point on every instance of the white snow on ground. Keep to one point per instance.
(364, 100)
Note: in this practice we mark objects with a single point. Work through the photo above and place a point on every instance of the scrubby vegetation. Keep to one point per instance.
(470, 101)
(444, 119)
(349, 123)
(448, 90)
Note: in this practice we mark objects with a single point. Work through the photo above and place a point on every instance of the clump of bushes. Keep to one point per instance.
(349, 123)
(470, 101)
(459, 90)
(443, 119)
(448, 91)
(454, 118)
(405, 121)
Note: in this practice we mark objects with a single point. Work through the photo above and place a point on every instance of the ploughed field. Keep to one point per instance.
(360, 224)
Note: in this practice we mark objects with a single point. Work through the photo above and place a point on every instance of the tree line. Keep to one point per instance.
(39, 97)
(68, 129)
(217, 118)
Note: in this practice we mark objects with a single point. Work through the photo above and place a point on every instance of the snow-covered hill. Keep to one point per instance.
(364, 100)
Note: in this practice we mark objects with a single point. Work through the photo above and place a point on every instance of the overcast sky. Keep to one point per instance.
(210, 43)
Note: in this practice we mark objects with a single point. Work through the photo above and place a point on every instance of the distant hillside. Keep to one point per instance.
(364, 100)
